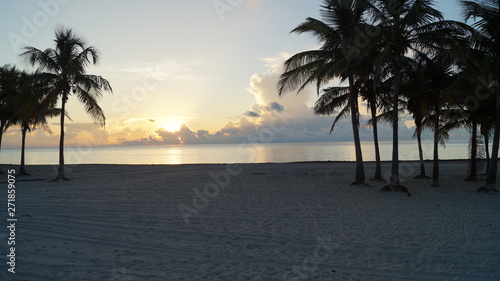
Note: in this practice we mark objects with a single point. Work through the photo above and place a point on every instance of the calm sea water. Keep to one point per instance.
(227, 153)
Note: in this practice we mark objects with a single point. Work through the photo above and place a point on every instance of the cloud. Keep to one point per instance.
(270, 119)
(252, 114)
(76, 135)
(169, 69)
(276, 107)
(279, 119)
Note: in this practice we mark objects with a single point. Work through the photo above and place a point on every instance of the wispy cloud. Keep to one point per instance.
(158, 119)
(168, 69)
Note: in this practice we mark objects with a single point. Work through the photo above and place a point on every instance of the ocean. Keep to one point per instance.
(227, 153)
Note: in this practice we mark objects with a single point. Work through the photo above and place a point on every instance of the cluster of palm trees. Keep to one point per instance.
(403, 57)
(29, 99)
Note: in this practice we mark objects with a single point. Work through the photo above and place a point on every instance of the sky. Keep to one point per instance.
(182, 72)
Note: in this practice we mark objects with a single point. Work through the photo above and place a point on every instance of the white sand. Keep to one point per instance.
(123, 223)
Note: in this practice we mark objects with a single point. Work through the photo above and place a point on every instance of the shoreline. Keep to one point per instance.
(241, 163)
(46, 172)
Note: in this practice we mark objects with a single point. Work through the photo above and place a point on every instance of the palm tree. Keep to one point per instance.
(369, 93)
(65, 73)
(419, 107)
(439, 78)
(412, 27)
(473, 109)
(487, 127)
(415, 99)
(423, 101)
(8, 88)
(337, 98)
(339, 56)
(488, 41)
(476, 150)
(29, 112)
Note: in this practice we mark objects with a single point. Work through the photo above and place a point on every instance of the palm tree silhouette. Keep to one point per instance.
(412, 27)
(418, 104)
(335, 100)
(340, 56)
(9, 76)
(64, 70)
(30, 112)
(473, 113)
(487, 40)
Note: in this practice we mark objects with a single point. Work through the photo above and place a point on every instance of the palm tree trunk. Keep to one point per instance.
(473, 154)
(353, 102)
(394, 183)
(435, 168)
(491, 177)
(487, 149)
(418, 124)
(22, 168)
(60, 171)
(2, 127)
(378, 166)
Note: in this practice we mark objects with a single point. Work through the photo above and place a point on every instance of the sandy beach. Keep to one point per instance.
(298, 221)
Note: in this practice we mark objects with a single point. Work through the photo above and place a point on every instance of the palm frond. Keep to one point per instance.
(332, 99)
(342, 114)
(90, 105)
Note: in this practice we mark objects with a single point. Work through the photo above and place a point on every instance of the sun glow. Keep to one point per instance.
(171, 127)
